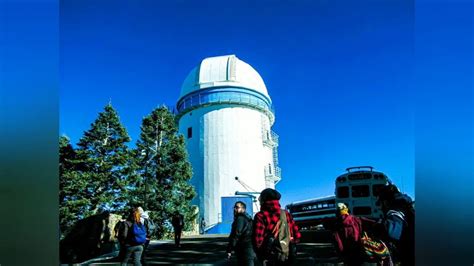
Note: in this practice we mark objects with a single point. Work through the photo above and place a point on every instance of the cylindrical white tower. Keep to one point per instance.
(225, 115)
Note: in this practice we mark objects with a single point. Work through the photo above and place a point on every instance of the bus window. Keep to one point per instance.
(360, 191)
(343, 192)
(376, 188)
(359, 176)
(362, 211)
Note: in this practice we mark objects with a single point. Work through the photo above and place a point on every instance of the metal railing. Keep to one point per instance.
(275, 156)
(275, 137)
(207, 97)
(272, 174)
(270, 138)
(278, 172)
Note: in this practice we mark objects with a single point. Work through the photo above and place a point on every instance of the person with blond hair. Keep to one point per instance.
(135, 236)
(149, 226)
(347, 234)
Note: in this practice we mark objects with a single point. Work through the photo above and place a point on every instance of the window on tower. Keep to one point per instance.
(190, 132)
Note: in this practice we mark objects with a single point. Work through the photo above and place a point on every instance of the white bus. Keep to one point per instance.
(358, 188)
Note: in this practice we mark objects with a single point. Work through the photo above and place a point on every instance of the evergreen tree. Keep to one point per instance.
(72, 200)
(106, 158)
(165, 170)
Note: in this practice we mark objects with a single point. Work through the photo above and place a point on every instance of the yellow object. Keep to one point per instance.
(344, 211)
(342, 208)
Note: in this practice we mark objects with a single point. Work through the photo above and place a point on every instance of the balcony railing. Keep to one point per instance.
(270, 138)
(273, 174)
(234, 96)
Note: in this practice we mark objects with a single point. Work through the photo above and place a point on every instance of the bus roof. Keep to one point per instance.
(313, 200)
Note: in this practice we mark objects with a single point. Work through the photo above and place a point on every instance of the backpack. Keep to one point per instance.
(151, 227)
(138, 234)
(278, 243)
(374, 250)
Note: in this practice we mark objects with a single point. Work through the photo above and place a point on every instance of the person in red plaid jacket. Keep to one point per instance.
(264, 222)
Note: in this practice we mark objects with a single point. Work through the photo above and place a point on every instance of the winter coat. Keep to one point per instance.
(241, 233)
(126, 233)
(266, 219)
(178, 222)
(348, 230)
(399, 224)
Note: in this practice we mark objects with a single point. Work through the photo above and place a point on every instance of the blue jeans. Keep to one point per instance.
(137, 253)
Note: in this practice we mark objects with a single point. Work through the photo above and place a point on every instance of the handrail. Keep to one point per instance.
(270, 138)
(215, 96)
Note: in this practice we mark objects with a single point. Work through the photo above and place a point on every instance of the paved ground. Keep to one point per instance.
(210, 250)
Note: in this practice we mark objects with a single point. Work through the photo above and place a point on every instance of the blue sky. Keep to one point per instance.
(340, 74)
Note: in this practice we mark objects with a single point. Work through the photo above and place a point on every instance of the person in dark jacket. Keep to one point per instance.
(265, 222)
(398, 223)
(240, 238)
(121, 236)
(178, 223)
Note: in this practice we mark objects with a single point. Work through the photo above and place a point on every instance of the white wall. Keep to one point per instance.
(226, 142)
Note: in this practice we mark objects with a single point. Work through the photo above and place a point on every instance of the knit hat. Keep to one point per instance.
(140, 210)
(342, 209)
(269, 194)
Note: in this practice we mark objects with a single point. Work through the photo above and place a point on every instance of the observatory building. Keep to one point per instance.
(225, 115)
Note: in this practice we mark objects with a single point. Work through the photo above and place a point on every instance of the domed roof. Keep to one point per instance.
(225, 70)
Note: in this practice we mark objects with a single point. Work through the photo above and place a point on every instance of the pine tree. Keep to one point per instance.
(165, 170)
(72, 200)
(106, 157)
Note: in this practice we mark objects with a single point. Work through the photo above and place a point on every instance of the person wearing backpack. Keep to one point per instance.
(135, 232)
(351, 240)
(178, 223)
(150, 228)
(398, 223)
(240, 238)
(275, 233)
(347, 233)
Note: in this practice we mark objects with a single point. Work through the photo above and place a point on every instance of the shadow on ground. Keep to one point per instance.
(210, 250)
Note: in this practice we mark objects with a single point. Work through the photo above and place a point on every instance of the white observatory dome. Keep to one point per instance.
(220, 71)
(225, 115)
